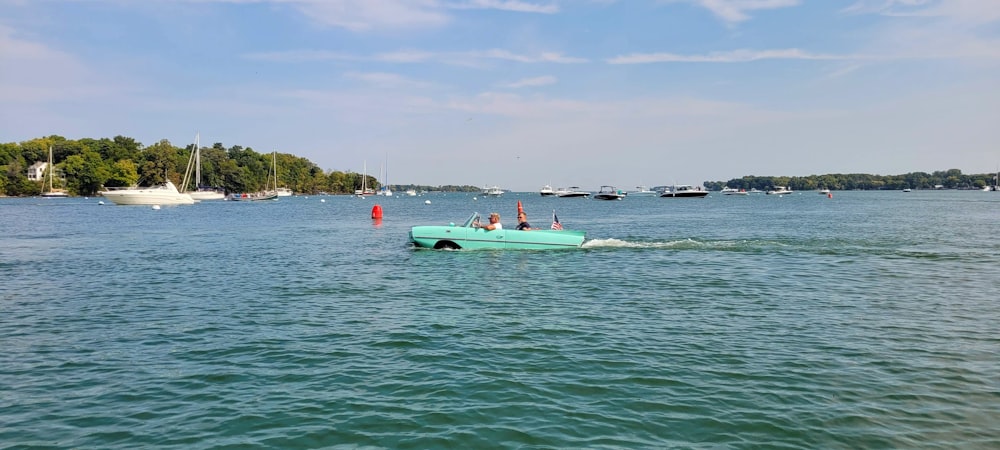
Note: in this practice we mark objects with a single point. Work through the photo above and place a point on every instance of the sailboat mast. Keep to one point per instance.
(51, 169)
(197, 161)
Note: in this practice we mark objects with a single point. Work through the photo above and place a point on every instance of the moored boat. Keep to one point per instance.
(164, 194)
(572, 191)
(779, 190)
(547, 191)
(494, 191)
(684, 191)
(609, 193)
(642, 191)
(733, 191)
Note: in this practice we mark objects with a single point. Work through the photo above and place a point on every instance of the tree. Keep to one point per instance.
(122, 173)
(86, 172)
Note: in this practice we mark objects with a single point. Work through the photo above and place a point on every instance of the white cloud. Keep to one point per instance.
(509, 5)
(532, 82)
(384, 80)
(734, 56)
(738, 10)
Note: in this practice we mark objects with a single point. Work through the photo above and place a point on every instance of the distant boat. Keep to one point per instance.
(51, 192)
(411, 192)
(494, 191)
(285, 192)
(609, 193)
(200, 192)
(270, 191)
(779, 190)
(906, 189)
(572, 191)
(547, 191)
(384, 190)
(824, 192)
(642, 191)
(733, 191)
(684, 191)
(164, 194)
(365, 190)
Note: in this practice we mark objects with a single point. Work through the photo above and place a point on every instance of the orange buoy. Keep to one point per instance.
(520, 209)
(829, 195)
(377, 211)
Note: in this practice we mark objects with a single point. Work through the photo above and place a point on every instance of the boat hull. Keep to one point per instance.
(207, 195)
(684, 194)
(468, 238)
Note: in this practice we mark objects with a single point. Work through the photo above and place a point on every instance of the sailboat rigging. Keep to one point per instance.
(52, 192)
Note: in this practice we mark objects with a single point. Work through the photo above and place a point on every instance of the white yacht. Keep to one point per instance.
(642, 191)
(733, 191)
(164, 194)
(547, 191)
(572, 191)
(779, 190)
(684, 191)
(494, 191)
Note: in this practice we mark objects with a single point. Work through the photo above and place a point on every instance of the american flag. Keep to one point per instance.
(555, 221)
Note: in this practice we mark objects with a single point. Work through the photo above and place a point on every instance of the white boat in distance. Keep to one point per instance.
(547, 191)
(684, 191)
(164, 194)
(642, 191)
(572, 191)
(779, 190)
(201, 192)
(733, 191)
(494, 191)
(284, 192)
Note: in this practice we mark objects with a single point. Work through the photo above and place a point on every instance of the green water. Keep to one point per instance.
(869, 320)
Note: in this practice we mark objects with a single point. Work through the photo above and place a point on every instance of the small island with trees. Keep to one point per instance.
(87, 166)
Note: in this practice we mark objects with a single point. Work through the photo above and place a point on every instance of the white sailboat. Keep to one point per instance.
(384, 190)
(200, 192)
(365, 190)
(52, 192)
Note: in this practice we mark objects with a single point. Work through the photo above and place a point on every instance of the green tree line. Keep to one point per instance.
(88, 165)
(948, 179)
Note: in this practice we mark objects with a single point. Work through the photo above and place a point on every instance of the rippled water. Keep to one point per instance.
(869, 320)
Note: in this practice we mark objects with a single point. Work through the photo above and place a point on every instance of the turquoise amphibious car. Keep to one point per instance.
(467, 236)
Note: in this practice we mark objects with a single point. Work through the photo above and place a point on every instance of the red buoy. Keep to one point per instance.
(829, 195)
(376, 211)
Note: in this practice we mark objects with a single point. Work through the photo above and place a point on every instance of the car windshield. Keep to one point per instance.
(472, 219)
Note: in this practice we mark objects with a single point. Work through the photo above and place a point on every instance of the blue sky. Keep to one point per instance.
(521, 93)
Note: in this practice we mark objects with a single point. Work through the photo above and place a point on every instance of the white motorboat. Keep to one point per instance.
(547, 191)
(571, 191)
(779, 190)
(733, 191)
(824, 192)
(164, 194)
(494, 191)
(284, 192)
(609, 193)
(684, 191)
(642, 191)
